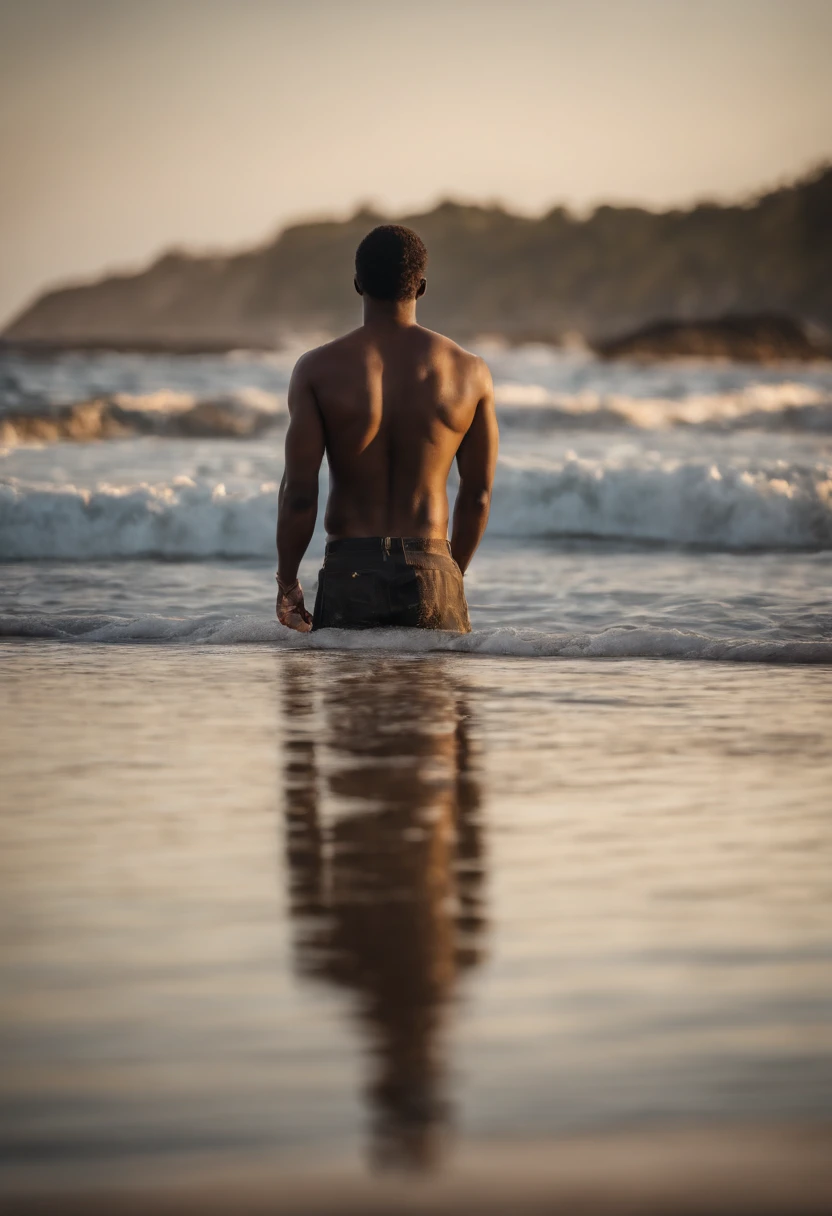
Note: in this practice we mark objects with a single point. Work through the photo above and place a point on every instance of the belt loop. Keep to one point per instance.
(386, 546)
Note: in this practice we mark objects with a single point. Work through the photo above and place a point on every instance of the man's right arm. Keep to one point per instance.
(298, 497)
(476, 461)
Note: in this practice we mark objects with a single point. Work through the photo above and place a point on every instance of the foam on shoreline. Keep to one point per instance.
(620, 642)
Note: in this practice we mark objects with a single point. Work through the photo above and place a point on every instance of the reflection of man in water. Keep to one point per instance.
(389, 883)
(392, 404)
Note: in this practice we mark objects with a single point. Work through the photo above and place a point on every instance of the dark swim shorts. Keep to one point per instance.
(378, 581)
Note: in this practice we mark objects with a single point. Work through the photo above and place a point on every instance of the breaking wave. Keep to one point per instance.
(613, 643)
(768, 407)
(174, 415)
(716, 506)
(248, 412)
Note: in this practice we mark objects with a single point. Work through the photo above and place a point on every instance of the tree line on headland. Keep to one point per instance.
(490, 272)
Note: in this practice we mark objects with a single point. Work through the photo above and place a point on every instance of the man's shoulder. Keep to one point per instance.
(466, 360)
(321, 357)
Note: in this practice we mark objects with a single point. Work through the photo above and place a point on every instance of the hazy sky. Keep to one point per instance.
(131, 125)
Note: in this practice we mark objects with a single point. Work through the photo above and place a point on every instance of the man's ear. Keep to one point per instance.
(357, 287)
(422, 288)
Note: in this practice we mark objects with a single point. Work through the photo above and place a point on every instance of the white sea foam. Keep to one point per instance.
(613, 643)
(715, 505)
(786, 406)
(167, 401)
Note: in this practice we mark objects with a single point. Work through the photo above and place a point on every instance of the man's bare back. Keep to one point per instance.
(391, 404)
(395, 404)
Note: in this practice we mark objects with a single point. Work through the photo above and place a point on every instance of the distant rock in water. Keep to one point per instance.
(109, 418)
(489, 272)
(754, 338)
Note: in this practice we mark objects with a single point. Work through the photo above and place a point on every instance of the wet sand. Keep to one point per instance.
(748, 1172)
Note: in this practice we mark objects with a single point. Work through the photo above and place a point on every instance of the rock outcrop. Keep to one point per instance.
(759, 338)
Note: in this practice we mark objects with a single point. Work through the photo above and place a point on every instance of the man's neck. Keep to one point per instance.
(396, 314)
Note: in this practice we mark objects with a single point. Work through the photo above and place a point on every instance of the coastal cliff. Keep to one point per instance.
(490, 272)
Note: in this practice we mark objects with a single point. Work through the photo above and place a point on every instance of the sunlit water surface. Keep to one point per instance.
(286, 908)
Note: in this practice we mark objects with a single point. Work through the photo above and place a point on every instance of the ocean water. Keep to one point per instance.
(666, 510)
(540, 910)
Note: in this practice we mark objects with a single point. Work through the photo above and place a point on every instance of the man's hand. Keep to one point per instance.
(290, 608)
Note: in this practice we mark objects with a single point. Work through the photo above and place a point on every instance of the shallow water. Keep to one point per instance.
(377, 909)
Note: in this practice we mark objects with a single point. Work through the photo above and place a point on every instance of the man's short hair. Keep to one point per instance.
(390, 263)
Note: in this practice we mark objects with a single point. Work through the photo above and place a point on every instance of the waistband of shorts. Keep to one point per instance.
(386, 545)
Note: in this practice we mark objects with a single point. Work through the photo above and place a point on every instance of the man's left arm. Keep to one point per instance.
(297, 504)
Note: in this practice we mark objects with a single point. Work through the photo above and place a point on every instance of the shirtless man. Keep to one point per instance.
(392, 404)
